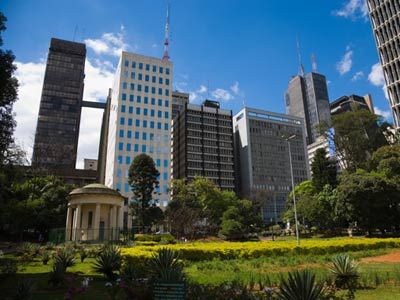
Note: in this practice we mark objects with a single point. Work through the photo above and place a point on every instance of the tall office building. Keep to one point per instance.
(351, 103)
(139, 121)
(262, 153)
(57, 131)
(202, 144)
(307, 98)
(179, 101)
(385, 25)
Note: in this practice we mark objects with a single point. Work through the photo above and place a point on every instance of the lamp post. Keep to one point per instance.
(287, 139)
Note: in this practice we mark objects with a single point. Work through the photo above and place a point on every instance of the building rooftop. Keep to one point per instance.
(95, 188)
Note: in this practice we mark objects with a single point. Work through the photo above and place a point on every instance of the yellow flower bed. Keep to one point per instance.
(232, 250)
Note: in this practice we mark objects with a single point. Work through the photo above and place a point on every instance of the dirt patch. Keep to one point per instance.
(393, 257)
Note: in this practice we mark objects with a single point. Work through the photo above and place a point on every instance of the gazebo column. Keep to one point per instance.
(121, 218)
(77, 222)
(96, 225)
(68, 224)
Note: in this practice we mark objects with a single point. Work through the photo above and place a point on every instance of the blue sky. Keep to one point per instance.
(227, 49)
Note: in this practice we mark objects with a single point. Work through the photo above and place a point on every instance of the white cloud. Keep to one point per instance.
(376, 77)
(202, 89)
(110, 43)
(221, 94)
(345, 64)
(353, 9)
(357, 76)
(193, 96)
(387, 114)
(235, 88)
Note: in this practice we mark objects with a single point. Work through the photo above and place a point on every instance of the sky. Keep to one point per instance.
(237, 52)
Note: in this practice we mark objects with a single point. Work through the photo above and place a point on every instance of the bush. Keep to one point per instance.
(65, 258)
(8, 267)
(83, 253)
(231, 228)
(345, 272)
(300, 286)
(56, 276)
(108, 261)
(165, 266)
(45, 257)
(24, 290)
(164, 237)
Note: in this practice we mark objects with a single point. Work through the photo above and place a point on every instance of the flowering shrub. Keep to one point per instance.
(230, 250)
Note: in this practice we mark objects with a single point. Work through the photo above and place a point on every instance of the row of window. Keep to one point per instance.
(165, 137)
(146, 78)
(147, 67)
(136, 147)
(145, 113)
(145, 100)
(146, 88)
(144, 125)
(127, 188)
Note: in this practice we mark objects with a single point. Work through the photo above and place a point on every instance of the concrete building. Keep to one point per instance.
(202, 144)
(384, 17)
(139, 122)
(307, 98)
(263, 168)
(350, 103)
(57, 131)
(179, 101)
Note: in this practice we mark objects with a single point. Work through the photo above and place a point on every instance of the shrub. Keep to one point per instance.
(8, 267)
(56, 276)
(345, 272)
(65, 258)
(300, 285)
(45, 257)
(83, 253)
(24, 290)
(26, 249)
(166, 238)
(108, 261)
(165, 266)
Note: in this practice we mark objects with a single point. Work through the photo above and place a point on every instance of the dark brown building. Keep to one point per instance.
(57, 131)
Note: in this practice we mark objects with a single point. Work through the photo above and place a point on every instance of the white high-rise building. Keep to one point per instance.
(140, 119)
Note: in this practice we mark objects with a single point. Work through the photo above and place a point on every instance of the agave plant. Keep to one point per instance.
(65, 258)
(165, 266)
(56, 276)
(345, 272)
(24, 290)
(300, 285)
(108, 261)
(45, 257)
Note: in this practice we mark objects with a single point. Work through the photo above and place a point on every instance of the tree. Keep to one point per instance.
(323, 170)
(356, 135)
(370, 199)
(143, 180)
(386, 160)
(8, 95)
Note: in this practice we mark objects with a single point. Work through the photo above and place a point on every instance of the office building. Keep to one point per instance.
(57, 131)
(385, 25)
(307, 98)
(139, 122)
(202, 144)
(262, 153)
(179, 100)
(351, 103)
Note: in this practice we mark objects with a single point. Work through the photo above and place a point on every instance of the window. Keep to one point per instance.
(158, 162)
(166, 126)
(146, 89)
(145, 111)
(126, 63)
(165, 187)
(126, 74)
(128, 160)
(132, 75)
(143, 148)
(161, 70)
(120, 159)
(122, 108)
(166, 114)
(153, 90)
(159, 113)
(140, 76)
(146, 100)
(166, 81)
(128, 147)
(136, 149)
(151, 149)
(129, 134)
(152, 113)
(136, 135)
(145, 123)
(167, 71)
(133, 64)
(159, 102)
(160, 80)
(152, 124)
(139, 87)
(132, 86)
(118, 186)
(119, 173)
(121, 146)
(151, 136)
(153, 101)
(137, 123)
(147, 67)
(146, 78)
(167, 92)
(138, 99)
(131, 98)
(122, 121)
(165, 163)
(131, 109)
(121, 133)
(140, 66)
(154, 68)
(160, 91)
(166, 103)
(129, 122)
(144, 136)
(126, 187)
(124, 85)
(123, 97)
(153, 79)
(159, 125)
(138, 111)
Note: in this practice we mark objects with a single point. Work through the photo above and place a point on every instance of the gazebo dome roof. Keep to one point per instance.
(95, 188)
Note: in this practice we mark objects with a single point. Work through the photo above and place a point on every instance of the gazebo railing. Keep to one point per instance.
(92, 235)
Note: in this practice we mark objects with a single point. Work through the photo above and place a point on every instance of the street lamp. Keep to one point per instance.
(287, 139)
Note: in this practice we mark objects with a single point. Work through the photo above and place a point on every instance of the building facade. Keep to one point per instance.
(307, 98)
(179, 101)
(351, 103)
(139, 122)
(262, 153)
(57, 131)
(384, 17)
(202, 144)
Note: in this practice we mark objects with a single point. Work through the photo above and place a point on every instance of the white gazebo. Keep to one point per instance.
(95, 213)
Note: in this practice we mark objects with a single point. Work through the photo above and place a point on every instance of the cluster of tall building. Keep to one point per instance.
(256, 153)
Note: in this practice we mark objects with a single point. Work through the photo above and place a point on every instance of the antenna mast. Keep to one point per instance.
(166, 42)
(301, 68)
(314, 63)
